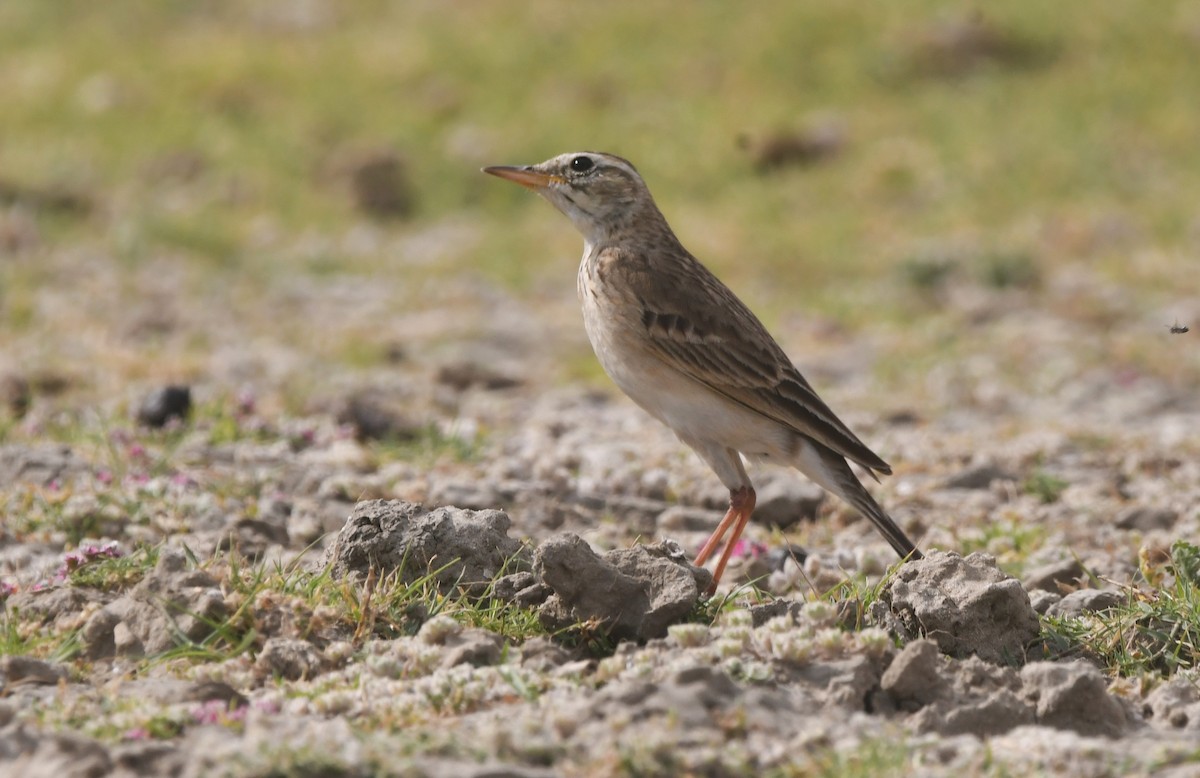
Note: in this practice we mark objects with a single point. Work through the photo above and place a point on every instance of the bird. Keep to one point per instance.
(685, 348)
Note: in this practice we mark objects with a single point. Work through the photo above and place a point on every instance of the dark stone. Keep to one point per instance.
(163, 405)
(15, 395)
(380, 185)
(819, 141)
(374, 417)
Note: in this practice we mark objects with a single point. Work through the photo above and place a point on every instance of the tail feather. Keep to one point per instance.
(831, 471)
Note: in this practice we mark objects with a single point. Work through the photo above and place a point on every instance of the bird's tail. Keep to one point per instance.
(831, 471)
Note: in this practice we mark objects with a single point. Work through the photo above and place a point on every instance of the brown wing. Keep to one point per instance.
(700, 328)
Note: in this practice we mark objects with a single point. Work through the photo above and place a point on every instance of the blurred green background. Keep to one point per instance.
(847, 159)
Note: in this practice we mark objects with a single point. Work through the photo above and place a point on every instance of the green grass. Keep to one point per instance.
(208, 140)
(20, 636)
(431, 444)
(1046, 487)
(1092, 128)
(1155, 631)
(115, 573)
(325, 608)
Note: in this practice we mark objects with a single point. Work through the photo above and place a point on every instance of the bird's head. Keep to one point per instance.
(602, 194)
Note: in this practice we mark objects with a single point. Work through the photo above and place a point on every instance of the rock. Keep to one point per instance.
(634, 594)
(148, 758)
(380, 185)
(41, 464)
(978, 477)
(20, 231)
(542, 655)
(475, 495)
(761, 614)
(784, 501)
(639, 514)
(976, 698)
(848, 682)
(172, 603)
(1049, 577)
(288, 658)
(15, 394)
(16, 670)
(449, 768)
(1175, 704)
(957, 45)
(777, 559)
(996, 713)
(59, 197)
(59, 603)
(1145, 519)
(691, 695)
(685, 518)
(523, 588)
(38, 754)
(1073, 696)
(463, 375)
(205, 691)
(1084, 601)
(913, 679)
(1041, 601)
(967, 605)
(475, 647)
(820, 140)
(374, 417)
(252, 537)
(461, 547)
(165, 404)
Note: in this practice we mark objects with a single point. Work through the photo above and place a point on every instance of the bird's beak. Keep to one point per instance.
(525, 176)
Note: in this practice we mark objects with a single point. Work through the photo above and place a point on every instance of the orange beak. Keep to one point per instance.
(530, 179)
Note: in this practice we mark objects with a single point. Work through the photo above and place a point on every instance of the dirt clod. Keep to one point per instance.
(914, 679)
(1084, 601)
(459, 547)
(634, 593)
(1074, 696)
(966, 604)
(289, 658)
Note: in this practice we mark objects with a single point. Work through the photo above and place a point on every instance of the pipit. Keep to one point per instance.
(688, 351)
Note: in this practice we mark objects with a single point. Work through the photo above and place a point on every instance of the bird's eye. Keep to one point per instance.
(582, 164)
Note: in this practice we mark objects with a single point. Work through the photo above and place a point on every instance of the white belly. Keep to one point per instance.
(702, 418)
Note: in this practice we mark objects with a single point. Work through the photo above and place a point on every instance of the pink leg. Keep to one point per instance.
(714, 539)
(741, 505)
